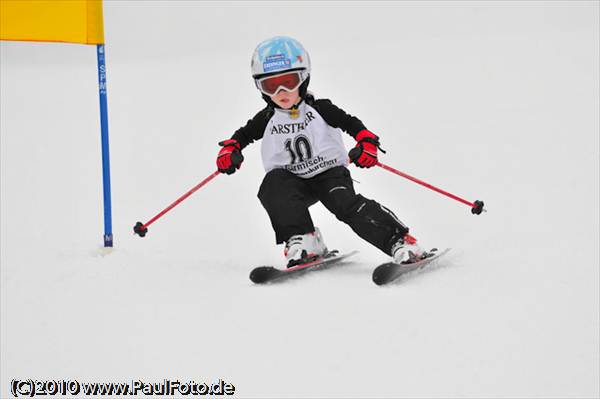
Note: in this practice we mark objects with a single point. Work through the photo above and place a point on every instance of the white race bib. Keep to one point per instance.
(305, 145)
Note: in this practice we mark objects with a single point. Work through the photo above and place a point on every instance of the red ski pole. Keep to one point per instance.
(142, 228)
(476, 207)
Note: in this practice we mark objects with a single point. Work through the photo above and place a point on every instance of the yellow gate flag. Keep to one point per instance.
(71, 21)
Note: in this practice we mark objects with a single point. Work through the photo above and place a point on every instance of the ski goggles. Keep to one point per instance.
(288, 81)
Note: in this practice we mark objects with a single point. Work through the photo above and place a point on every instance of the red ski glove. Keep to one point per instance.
(364, 155)
(230, 157)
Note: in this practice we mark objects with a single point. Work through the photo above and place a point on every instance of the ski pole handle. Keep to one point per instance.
(476, 207)
(142, 228)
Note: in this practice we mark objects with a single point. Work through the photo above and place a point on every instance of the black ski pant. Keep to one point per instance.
(287, 197)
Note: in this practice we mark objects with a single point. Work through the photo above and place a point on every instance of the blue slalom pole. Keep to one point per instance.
(108, 237)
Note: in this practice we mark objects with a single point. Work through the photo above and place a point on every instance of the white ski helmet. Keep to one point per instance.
(279, 54)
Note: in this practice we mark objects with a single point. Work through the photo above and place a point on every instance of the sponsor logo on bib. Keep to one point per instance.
(291, 128)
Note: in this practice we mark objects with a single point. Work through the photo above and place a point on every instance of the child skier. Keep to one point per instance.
(305, 159)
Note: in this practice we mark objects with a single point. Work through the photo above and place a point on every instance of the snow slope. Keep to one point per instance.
(489, 100)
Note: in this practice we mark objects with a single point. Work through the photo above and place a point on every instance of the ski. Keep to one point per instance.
(388, 272)
(266, 274)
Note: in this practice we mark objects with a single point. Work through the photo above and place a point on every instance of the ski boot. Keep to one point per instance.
(304, 248)
(406, 250)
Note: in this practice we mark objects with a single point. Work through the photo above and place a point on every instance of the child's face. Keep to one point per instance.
(286, 99)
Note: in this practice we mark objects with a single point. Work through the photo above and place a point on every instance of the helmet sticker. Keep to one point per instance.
(276, 62)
